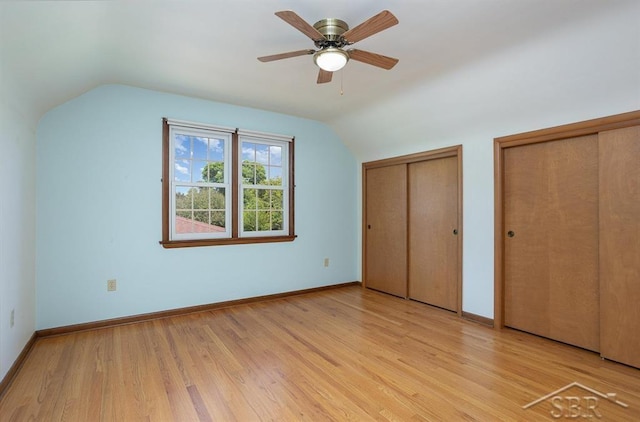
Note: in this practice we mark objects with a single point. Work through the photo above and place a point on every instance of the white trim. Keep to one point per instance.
(283, 143)
(195, 125)
(265, 135)
(199, 130)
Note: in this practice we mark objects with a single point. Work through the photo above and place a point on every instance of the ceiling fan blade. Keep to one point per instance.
(372, 58)
(285, 55)
(373, 25)
(300, 24)
(324, 76)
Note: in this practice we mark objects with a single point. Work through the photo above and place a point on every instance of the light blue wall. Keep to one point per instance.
(17, 224)
(99, 162)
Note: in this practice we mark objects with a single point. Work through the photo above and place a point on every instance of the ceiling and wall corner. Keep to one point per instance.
(55, 51)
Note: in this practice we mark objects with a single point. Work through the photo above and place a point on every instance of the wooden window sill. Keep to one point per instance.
(170, 244)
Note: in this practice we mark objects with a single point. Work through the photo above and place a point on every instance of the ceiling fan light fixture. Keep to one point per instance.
(331, 59)
(330, 36)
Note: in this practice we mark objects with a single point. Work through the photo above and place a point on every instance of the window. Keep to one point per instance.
(200, 183)
(262, 191)
(225, 186)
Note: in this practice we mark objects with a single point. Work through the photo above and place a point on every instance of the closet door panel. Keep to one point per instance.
(619, 152)
(386, 229)
(433, 246)
(551, 240)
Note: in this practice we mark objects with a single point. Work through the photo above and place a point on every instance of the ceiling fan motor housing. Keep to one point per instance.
(332, 29)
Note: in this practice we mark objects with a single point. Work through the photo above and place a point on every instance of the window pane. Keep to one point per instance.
(216, 150)
(201, 198)
(275, 176)
(182, 146)
(213, 172)
(248, 173)
(200, 146)
(201, 216)
(276, 220)
(216, 199)
(277, 200)
(199, 171)
(249, 199)
(181, 171)
(248, 152)
(184, 198)
(275, 155)
(262, 154)
(218, 220)
(183, 222)
(264, 220)
(249, 220)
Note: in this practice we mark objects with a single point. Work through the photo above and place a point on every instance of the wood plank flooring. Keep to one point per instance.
(346, 354)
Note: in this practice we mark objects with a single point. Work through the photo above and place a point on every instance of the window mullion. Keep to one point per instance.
(235, 220)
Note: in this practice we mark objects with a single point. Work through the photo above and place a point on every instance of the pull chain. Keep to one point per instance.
(341, 79)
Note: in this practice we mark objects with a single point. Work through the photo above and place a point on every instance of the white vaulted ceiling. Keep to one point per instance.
(52, 51)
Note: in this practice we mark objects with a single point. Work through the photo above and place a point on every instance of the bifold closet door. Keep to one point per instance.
(386, 229)
(620, 245)
(433, 232)
(551, 284)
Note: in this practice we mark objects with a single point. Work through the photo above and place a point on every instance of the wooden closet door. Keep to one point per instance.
(620, 245)
(551, 240)
(386, 229)
(433, 245)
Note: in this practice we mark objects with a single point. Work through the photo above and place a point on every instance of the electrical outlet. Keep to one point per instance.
(326, 262)
(12, 320)
(111, 285)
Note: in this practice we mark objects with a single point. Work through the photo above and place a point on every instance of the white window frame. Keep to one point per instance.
(269, 140)
(192, 129)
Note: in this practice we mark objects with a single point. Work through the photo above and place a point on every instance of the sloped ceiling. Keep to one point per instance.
(52, 51)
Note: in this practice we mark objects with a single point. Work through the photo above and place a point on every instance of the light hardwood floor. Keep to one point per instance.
(341, 354)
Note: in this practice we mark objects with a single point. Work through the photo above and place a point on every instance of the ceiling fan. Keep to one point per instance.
(330, 36)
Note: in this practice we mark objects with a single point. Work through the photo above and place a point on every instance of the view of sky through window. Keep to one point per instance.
(193, 153)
